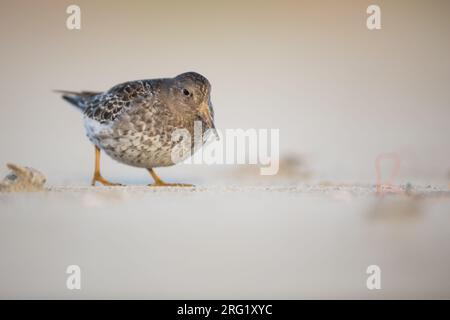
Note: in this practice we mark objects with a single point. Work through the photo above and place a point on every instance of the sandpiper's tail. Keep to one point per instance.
(78, 99)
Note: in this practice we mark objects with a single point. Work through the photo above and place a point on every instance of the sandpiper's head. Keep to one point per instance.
(193, 90)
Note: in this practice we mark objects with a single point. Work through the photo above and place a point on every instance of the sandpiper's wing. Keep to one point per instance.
(78, 99)
(109, 105)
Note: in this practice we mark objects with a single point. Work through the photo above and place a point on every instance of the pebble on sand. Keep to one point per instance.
(22, 179)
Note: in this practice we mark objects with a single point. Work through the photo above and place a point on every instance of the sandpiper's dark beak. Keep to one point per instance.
(206, 115)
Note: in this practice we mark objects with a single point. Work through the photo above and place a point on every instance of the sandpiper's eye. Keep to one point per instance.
(186, 92)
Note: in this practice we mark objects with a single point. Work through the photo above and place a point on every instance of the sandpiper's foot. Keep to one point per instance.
(104, 182)
(97, 176)
(160, 183)
(163, 184)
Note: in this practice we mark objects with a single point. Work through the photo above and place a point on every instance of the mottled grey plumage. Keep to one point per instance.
(133, 121)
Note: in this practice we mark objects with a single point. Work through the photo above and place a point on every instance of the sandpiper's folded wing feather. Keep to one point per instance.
(78, 99)
(108, 106)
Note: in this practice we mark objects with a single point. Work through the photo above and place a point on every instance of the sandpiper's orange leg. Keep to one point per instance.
(97, 176)
(160, 183)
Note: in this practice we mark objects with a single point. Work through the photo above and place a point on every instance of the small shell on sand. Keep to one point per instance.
(22, 179)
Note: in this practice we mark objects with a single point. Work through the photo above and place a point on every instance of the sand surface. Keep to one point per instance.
(307, 241)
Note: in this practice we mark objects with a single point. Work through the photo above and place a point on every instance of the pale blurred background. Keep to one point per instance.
(340, 94)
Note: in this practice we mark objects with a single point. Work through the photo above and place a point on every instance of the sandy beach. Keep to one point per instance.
(293, 242)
